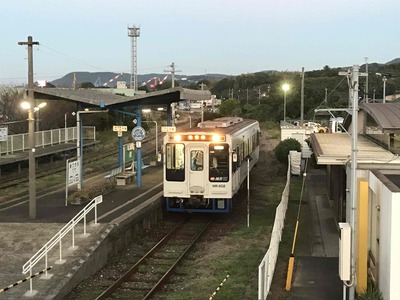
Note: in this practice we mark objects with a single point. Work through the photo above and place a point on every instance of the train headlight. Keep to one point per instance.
(177, 138)
(190, 137)
(216, 138)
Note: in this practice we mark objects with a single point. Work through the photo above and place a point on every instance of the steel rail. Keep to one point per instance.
(111, 289)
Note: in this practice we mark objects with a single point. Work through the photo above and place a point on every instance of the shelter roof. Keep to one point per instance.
(335, 149)
(102, 98)
(386, 115)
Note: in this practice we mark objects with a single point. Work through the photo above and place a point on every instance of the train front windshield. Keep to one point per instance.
(219, 163)
(175, 162)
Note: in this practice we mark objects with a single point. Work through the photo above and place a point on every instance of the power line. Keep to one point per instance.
(70, 58)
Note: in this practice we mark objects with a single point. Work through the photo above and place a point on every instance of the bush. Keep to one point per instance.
(372, 293)
(283, 148)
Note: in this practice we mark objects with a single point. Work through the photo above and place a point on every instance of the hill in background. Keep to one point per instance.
(109, 79)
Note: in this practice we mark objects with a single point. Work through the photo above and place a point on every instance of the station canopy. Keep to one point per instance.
(103, 98)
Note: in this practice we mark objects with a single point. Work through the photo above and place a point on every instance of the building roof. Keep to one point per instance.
(335, 149)
(386, 115)
(102, 98)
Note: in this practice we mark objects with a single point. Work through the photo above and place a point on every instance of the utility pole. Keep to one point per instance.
(351, 205)
(172, 71)
(366, 80)
(302, 98)
(31, 122)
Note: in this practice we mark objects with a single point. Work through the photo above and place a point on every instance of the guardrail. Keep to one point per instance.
(57, 239)
(267, 266)
(20, 142)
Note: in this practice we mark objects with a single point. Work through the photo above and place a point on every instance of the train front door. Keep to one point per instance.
(197, 168)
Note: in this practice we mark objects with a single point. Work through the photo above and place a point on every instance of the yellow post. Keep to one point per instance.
(291, 261)
(362, 237)
(290, 273)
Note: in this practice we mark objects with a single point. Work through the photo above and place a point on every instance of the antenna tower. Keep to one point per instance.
(133, 33)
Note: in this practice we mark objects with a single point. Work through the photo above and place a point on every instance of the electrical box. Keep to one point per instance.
(345, 251)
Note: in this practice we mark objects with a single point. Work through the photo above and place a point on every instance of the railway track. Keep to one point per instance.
(146, 276)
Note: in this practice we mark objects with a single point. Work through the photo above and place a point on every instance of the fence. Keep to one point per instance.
(57, 239)
(20, 142)
(267, 266)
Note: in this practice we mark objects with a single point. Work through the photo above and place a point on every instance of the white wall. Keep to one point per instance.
(389, 242)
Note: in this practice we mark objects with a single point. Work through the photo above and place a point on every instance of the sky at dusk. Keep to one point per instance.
(209, 36)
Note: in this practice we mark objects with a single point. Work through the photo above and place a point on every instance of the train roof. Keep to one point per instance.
(227, 125)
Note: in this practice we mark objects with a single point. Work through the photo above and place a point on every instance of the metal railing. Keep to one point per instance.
(19, 142)
(267, 266)
(57, 239)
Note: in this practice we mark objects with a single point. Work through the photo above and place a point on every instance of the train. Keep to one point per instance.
(205, 166)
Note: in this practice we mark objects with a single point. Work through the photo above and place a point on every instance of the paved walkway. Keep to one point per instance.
(316, 277)
(21, 237)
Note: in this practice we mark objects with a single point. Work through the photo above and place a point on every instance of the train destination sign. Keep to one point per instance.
(168, 129)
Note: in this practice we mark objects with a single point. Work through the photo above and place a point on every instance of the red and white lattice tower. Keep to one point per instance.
(133, 33)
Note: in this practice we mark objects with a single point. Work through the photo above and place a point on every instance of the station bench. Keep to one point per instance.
(126, 177)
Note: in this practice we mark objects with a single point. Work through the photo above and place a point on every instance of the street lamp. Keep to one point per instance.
(156, 134)
(384, 76)
(28, 105)
(285, 88)
(37, 109)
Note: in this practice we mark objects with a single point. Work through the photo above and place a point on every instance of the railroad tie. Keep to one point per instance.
(23, 280)
(218, 288)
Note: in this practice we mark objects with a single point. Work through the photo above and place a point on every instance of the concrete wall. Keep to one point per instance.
(113, 239)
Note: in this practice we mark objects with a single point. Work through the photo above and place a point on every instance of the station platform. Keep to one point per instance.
(316, 276)
(22, 237)
(20, 156)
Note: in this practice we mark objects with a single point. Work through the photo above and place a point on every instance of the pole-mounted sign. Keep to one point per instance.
(138, 133)
(120, 129)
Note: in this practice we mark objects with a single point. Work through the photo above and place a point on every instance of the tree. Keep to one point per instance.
(11, 111)
(230, 107)
(87, 85)
(283, 148)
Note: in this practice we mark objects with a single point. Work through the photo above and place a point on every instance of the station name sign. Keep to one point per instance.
(120, 128)
(168, 129)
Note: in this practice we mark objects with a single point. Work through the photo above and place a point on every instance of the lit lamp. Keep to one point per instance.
(285, 88)
(32, 167)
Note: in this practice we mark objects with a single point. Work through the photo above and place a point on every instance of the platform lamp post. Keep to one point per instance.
(31, 120)
(285, 88)
(37, 110)
(156, 133)
(32, 164)
(384, 76)
(248, 158)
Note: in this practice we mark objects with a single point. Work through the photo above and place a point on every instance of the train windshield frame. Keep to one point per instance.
(175, 162)
(219, 162)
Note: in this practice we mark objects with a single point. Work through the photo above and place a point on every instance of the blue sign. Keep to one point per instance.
(138, 133)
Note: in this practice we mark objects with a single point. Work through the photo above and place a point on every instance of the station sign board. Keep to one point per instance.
(120, 128)
(3, 134)
(168, 128)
